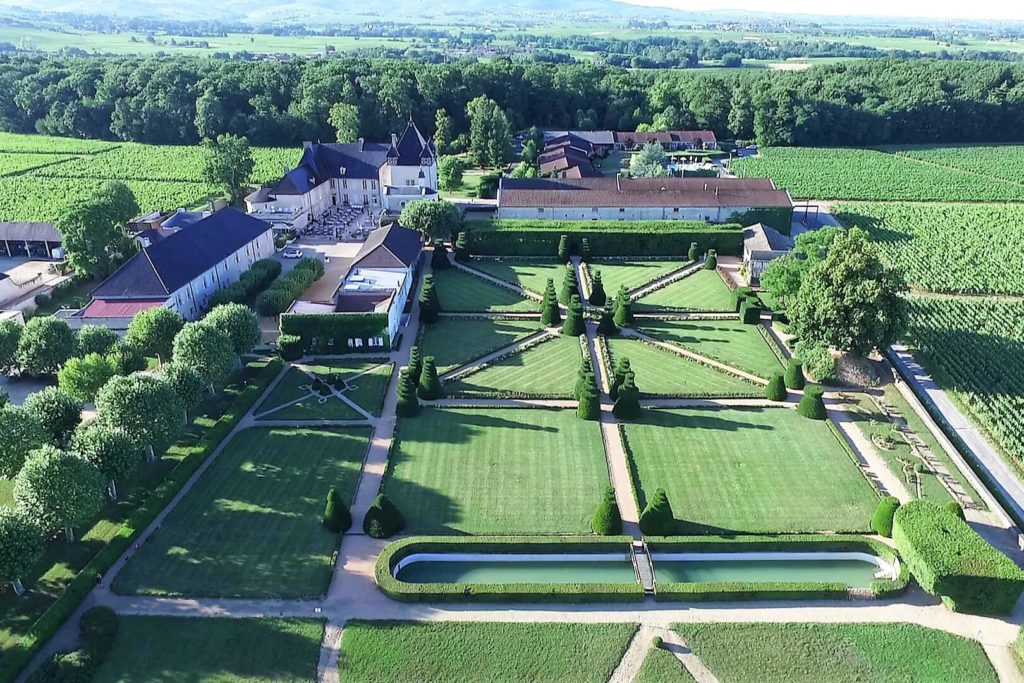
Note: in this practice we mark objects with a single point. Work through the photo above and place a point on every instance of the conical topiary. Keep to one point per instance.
(597, 294)
(429, 387)
(570, 285)
(429, 304)
(574, 325)
(776, 389)
(627, 405)
(622, 369)
(712, 260)
(563, 249)
(462, 246)
(881, 521)
(415, 364)
(408, 405)
(581, 377)
(623, 310)
(439, 259)
(812, 405)
(607, 520)
(693, 253)
(337, 518)
(657, 518)
(585, 250)
(589, 407)
(607, 325)
(550, 315)
(795, 374)
(383, 519)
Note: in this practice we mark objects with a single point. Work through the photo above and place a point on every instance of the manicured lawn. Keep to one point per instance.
(294, 385)
(459, 291)
(728, 341)
(701, 291)
(367, 380)
(528, 275)
(492, 471)
(546, 370)
(794, 653)
(663, 373)
(251, 525)
(661, 666)
(456, 341)
(213, 650)
(402, 652)
(749, 470)
(632, 274)
(316, 407)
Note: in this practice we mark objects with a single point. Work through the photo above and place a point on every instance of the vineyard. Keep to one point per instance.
(39, 174)
(997, 161)
(975, 350)
(955, 248)
(863, 174)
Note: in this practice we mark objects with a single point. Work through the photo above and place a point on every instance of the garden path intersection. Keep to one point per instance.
(353, 593)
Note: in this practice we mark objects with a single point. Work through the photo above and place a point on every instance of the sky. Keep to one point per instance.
(936, 9)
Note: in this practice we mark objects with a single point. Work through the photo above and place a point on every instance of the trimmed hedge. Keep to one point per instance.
(99, 629)
(775, 390)
(812, 405)
(606, 238)
(252, 282)
(950, 560)
(340, 327)
(504, 592)
(881, 521)
(383, 519)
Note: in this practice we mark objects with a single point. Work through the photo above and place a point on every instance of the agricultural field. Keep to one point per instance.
(997, 161)
(399, 651)
(749, 470)
(663, 373)
(545, 370)
(496, 471)
(631, 274)
(456, 341)
(703, 290)
(250, 527)
(956, 248)
(727, 341)
(872, 175)
(460, 292)
(840, 653)
(220, 650)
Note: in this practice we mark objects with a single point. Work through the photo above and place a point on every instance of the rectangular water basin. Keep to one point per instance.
(515, 568)
(856, 570)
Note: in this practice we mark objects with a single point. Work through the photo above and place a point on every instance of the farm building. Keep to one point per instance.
(670, 140)
(29, 240)
(762, 244)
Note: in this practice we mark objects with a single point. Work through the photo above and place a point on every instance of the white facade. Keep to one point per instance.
(398, 281)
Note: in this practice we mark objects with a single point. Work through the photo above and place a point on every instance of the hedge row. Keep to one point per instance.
(287, 288)
(79, 587)
(950, 560)
(253, 281)
(508, 592)
(324, 327)
(606, 238)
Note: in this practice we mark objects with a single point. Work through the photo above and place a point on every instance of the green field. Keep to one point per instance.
(661, 666)
(213, 650)
(402, 652)
(494, 471)
(997, 161)
(663, 373)
(250, 527)
(838, 653)
(701, 291)
(459, 291)
(456, 341)
(749, 470)
(531, 275)
(367, 382)
(547, 370)
(632, 274)
(728, 341)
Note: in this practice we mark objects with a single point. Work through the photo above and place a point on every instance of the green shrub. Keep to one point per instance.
(795, 374)
(606, 325)
(408, 405)
(812, 405)
(99, 629)
(657, 518)
(657, 642)
(415, 366)
(598, 297)
(622, 369)
(589, 407)
(817, 360)
(429, 387)
(954, 507)
(563, 248)
(881, 521)
(289, 346)
(430, 306)
(607, 520)
(585, 369)
(738, 296)
(585, 252)
(627, 403)
(623, 316)
(550, 315)
(750, 313)
(383, 519)
(337, 517)
(570, 286)
(331, 327)
(574, 325)
(711, 262)
(692, 253)
(950, 560)
(776, 388)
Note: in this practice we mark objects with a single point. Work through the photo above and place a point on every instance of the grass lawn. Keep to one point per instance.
(793, 653)
(213, 650)
(528, 275)
(631, 274)
(701, 291)
(546, 370)
(367, 379)
(6, 493)
(294, 385)
(749, 470)
(250, 527)
(662, 666)
(316, 407)
(399, 651)
(459, 291)
(728, 341)
(663, 373)
(493, 471)
(456, 341)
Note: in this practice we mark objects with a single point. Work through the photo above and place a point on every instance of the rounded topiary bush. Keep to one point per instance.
(693, 253)
(711, 262)
(795, 374)
(383, 519)
(607, 520)
(812, 405)
(776, 389)
(657, 642)
(289, 346)
(657, 518)
(881, 521)
(955, 508)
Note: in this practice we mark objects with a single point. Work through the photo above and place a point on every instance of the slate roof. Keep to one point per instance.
(160, 269)
(260, 196)
(666, 137)
(390, 247)
(181, 218)
(763, 241)
(594, 137)
(641, 192)
(30, 232)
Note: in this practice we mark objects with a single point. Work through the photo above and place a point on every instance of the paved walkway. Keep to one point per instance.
(634, 656)
(871, 463)
(674, 643)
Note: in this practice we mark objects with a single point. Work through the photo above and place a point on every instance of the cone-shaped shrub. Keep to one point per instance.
(623, 310)
(693, 253)
(812, 405)
(597, 294)
(795, 375)
(607, 324)
(738, 295)
(776, 389)
(429, 388)
(881, 521)
(581, 377)
(657, 518)
(429, 304)
(383, 519)
(462, 246)
(574, 325)
(408, 404)
(585, 253)
(337, 518)
(415, 364)
(607, 520)
(589, 407)
(439, 259)
(712, 260)
(627, 405)
(563, 248)
(955, 508)
(570, 285)
(619, 376)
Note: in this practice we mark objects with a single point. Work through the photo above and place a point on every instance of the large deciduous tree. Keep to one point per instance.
(21, 433)
(91, 230)
(185, 382)
(145, 407)
(228, 164)
(10, 333)
(436, 219)
(649, 162)
(783, 276)
(110, 450)
(96, 339)
(153, 331)
(21, 546)
(239, 323)
(344, 119)
(206, 349)
(442, 131)
(58, 490)
(490, 134)
(57, 411)
(449, 173)
(46, 343)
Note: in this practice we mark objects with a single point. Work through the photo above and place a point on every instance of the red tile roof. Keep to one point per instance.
(99, 308)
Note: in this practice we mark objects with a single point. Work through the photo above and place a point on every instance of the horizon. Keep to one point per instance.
(986, 10)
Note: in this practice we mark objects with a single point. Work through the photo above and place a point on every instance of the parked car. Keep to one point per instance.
(292, 252)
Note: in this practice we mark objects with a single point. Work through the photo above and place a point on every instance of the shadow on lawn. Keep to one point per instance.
(456, 426)
(703, 418)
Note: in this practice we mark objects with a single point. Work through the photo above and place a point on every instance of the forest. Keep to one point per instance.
(185, 99)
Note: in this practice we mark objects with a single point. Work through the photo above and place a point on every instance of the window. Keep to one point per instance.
(675, 210)
(594, 210)
(540, 209)
(344, 184)
(236, 257)
(622, 211)
(364, 184)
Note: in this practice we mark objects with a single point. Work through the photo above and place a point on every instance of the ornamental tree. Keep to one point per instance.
(206, 349)
(563, 249)
(650, 162)
(57, 411)
(434, 219)
(881, 521)
(439, 256)
(812, 405)
(21, 546)
(623, 316)
(45, 345)
(597, 293)
(430, 306)
(96, 339)
(126, 359)
(10, 334)
(83, 377)
(606, 325)
(449, 173)
(186, 383)
(586, 368)
(415, 366)
(228, 164)
(783, 276)
(607, 519)
(711, 262)
(570, 286)
(145, 407)
(429, 388)
(239, 323)
(619, 373)
(627, 405)
(153, 331)
(657, 519)
(337, 517)
(585, 252)
(110, 450)
(91, 229)
(58, 490)
(22, 433)
(693, 253)
(574, 325)
(462, 246)
(408, 405)
(589, 407)
(550, 315)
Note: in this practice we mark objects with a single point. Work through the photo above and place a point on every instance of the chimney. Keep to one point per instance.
(705, 187)
(394, 140)
(362, 141)
(716, 190)
(618, 182)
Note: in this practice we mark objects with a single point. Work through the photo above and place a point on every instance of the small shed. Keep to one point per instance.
(762, 244)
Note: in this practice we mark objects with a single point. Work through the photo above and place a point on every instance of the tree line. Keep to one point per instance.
(184, 100)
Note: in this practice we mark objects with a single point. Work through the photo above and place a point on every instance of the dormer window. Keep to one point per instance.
(341, 170)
